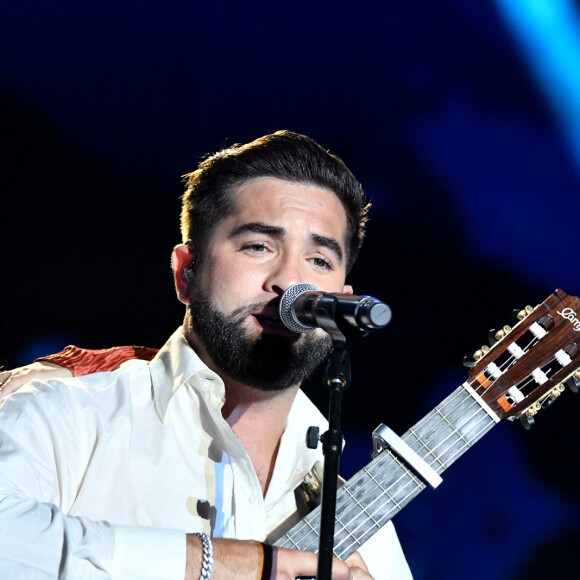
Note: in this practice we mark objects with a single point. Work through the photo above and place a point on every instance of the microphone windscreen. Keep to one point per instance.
(287, 314)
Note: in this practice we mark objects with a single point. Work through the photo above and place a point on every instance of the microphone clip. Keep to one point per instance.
(325, 314)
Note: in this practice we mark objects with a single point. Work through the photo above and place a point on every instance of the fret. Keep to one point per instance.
(310, 540)
(311, 527)
(286, 540)
(451, 443)
(386, 485)
(350, 511)
(447, 432)
(400, 478)
(356, 512)
(457, 412)
(362, 507)
(303, 533)
(344, 527)
(430, 452)
(480, 433)
(455, 430)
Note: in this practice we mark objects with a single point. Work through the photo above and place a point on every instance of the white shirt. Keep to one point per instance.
(101, 476)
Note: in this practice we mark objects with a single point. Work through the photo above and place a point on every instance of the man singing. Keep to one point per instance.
(186, 466)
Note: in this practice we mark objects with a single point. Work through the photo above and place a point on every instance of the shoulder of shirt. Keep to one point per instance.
(82, 387)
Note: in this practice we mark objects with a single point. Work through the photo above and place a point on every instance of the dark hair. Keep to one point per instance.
(284, 155)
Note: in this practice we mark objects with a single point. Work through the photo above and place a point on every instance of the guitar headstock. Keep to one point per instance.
(532, 363)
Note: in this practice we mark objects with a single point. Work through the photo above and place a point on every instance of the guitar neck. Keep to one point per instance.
(386, 485)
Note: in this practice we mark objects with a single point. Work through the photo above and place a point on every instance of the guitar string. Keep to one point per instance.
(393, 510)
(435, 435)
(426, 445)
(444, 406)
(387, 516)
(508, 363)
(299, 530)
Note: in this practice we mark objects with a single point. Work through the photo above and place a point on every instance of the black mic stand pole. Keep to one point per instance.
(336, 378)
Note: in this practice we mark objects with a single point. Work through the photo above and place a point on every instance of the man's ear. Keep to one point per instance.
(347, 289)
(182, 259)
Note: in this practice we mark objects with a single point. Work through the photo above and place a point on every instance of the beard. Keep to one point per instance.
(266, 362)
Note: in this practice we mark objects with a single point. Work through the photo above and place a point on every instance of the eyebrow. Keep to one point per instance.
(258, 228)
(279, 232)
(329, 243)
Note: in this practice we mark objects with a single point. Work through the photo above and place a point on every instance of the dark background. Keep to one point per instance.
(464, 133)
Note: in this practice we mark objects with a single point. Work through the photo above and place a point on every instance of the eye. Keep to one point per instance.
(322, 263)
(255, 248)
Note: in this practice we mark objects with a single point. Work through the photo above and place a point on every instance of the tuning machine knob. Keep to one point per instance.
(527, 418)
(527, 421)
(521, 314)
(553, 395)
(495, 335)
(573, 382)
(479, 354)
(470, 360)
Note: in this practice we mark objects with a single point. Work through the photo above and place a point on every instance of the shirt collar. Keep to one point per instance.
(177, 365)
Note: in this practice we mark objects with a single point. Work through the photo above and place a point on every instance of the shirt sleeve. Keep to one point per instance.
(42, 460)
(84, 361)
(384, 556)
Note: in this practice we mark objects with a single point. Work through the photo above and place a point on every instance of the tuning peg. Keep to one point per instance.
(495, 335)
(479, 354)
(547, 403)
(573, 382)
(527, 421)
(468, 361)
(554, 394)
(503, 332)
(527, 417)
(546, 322)
(521, 314)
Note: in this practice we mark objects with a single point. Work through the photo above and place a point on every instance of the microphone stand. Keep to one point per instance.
(336, 378)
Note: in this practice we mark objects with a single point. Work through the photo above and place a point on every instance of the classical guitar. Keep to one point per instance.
(524, 370)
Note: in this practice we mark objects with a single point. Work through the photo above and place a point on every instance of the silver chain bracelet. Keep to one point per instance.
(207, 556)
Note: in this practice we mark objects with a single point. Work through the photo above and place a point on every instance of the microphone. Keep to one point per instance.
(304, 308)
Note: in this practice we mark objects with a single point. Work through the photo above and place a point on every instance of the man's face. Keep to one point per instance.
(279, 234)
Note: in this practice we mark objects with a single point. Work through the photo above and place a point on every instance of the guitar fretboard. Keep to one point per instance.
(381, 489)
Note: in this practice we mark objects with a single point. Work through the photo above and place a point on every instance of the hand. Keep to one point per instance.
(246, 560)
(13, 380)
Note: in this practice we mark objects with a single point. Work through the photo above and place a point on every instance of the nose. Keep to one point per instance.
(287, 271)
